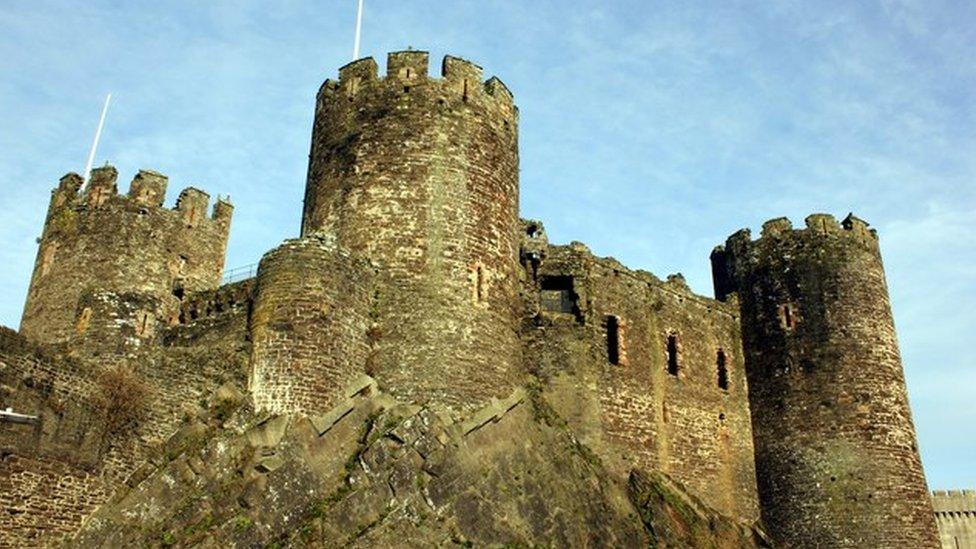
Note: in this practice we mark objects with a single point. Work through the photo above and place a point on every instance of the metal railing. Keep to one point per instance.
(239, 273)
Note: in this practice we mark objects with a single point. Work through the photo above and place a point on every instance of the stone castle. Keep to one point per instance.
(781, 402)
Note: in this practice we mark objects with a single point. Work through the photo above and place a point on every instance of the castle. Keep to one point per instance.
(782, 399)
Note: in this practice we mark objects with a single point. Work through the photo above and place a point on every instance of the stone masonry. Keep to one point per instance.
(836, 454)
(780, 401)
(955, 513)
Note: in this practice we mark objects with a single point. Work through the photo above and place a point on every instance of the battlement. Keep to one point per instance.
(954, 493)
(459, 79)
(815, 224)
(98, 239)
(740, 248)
(147, 190)
(954, 501)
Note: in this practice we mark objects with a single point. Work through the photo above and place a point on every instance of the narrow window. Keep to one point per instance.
(95, 198)
(787, 316)
(144, 325)
(464, 92)
(723, 370)
(613, 340)
(353, 86)
(83, 320)
(478, 289)
(479, 283)
(673, 354)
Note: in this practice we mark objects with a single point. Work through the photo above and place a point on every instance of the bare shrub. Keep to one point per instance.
(121, 399)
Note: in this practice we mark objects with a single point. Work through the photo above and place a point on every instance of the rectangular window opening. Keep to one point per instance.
(613, 340)
(723, 370)
(673, 354)
(788, 316)
(557, 294)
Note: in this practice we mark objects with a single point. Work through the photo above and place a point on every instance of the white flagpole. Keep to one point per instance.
(98, 134)
(359, 28)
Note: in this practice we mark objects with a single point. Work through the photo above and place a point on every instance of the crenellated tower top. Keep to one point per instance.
(459, 80)
(777, 233)
(419, 174)
(97, 240)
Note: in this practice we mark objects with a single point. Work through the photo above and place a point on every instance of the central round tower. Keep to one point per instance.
(420, 175)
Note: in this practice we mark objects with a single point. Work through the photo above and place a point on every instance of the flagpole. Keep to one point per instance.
(359, 27)
(98, 134)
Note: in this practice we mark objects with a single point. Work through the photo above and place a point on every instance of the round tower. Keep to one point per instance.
(836, 455)
(96, 240)
(420, 175)
(309, 326)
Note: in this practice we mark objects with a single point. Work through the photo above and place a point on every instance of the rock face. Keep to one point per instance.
(373, 472)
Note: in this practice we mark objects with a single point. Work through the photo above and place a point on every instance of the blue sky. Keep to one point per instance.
(649, 130)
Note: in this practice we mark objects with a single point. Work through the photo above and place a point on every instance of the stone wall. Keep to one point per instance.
(214, 317)
(97, 240)
(836, 453)
(597, 334)
(42, 500)
(955, 514)
(420, 175)
(56, 471)
(47, 484)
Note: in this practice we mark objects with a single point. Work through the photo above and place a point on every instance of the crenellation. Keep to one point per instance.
(407, 66)
(456, 69)
(223, 210)
(102, 185)
(149, 188)
(192, 204)
(822, 223)
(955, 513)
(70, 183)
(496, 88)
(460, 82)
(776, 227)
(363, 70)
(818, 225)
(131, 244)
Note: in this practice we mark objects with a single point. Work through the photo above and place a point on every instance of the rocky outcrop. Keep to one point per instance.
(377, 472)
(674, 518)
